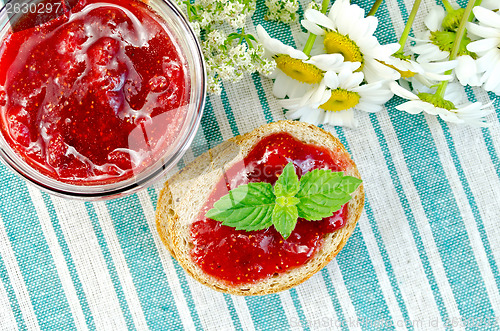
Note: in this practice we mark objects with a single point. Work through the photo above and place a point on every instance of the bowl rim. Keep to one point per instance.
(164, 163)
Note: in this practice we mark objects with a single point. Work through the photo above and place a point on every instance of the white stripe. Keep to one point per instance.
(240, 305)
(167, 263)
(316, 304)
(90, 264)
(478, 159)
(290, 311)
(393, 227)
(59, 260)
(245, 105)
(6, 313)
(207, 302)
(17, 281)
(343, 296)
(398, 237)
(121, 266)
(383, 278)
(220, 115)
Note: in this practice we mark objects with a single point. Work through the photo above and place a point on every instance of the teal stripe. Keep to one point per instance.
(137, 244)
(496, 103)
(471, 200)
(110, 265)
(33, 255)
(232, 312)
(381, 246)
(362, 283)
(14, 305)
(257, 81)
(181, 275)
(210, 127)
(489, 140)
(390, 38)
(444, 216)
(267, 312)
(470, 195)
(335, 300)
(89, 319)
(410, 217)
(298, 308)
(229, 113)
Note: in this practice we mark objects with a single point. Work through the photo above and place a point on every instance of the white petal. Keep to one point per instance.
(311, 27)
(434, 18)
(351, 81)
(281, 85)
(341, 118)
(368, 107)
(482, 31)
(483, 45)
(466, 71)
(319, 18)
(411, 107)
(313, 116)
(331, 80)
(487, 17)
(493, 82)
(402, 92)
(327, 62)
(438, 67)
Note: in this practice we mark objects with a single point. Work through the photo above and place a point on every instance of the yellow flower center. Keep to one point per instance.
(337, 43)
(341, 100)
(298, 70)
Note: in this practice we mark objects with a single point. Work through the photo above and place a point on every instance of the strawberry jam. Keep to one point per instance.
(241, 257)
(95, 95)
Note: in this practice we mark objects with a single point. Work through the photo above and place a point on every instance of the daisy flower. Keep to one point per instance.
(295, 72)
(334, 100)
(464, 113)
(347, 31)
(427, 74)
(435, 44)
(487, 47)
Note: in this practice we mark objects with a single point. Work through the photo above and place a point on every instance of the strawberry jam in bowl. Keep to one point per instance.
(100, 100)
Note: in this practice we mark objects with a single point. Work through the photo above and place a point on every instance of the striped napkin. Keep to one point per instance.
(425, 254)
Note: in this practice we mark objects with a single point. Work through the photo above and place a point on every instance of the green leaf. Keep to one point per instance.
(287, 184)
(248, 207)
(349, 184)
(322, 193)
(284, 219)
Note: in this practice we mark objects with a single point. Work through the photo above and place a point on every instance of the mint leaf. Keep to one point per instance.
(349, 184)
(288, 182)
(321, 193)
(248, 207)
(284, 219)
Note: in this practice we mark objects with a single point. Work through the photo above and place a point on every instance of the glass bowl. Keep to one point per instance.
(187, 42)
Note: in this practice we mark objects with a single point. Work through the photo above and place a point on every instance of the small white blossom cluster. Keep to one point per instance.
(229, 52)
(282, 10)
(229, 60)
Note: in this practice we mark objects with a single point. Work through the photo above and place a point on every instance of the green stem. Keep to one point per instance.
(375, 6)
(456, 44)
(312, 37)
(409, 24)
(471, 16)
(448, 6)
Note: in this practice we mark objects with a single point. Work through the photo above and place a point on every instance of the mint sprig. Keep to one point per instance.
(256, 206)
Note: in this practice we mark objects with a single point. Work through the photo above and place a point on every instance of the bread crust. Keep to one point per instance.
(185, 193)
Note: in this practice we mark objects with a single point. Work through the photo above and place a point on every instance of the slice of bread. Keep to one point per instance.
(186, 192)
